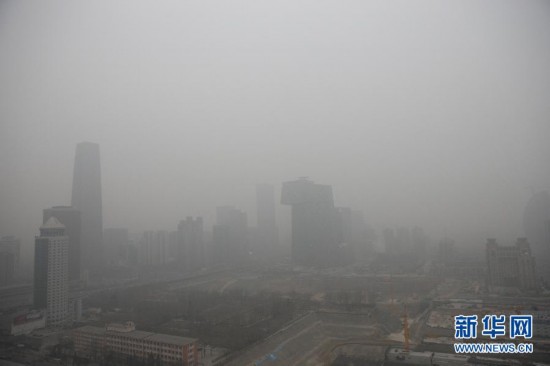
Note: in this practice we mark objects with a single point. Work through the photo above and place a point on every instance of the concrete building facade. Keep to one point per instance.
(510, 266)
(190, 243)
(124, 341)
(70, 218)
(51, 272)
(314, 224)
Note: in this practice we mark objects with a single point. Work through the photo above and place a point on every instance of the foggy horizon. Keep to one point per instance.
(419, 114)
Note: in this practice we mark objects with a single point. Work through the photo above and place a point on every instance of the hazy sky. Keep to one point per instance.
(423, 113)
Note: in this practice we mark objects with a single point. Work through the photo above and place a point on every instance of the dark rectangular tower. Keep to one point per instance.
(86, 198)
(266, 237)
(314, 229)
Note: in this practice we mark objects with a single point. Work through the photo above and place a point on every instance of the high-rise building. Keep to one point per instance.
(390, 242)
(7, 268)
(86, 198)
(266, 238)
(352, 233)
(230, 236)
(70, 218)
(9, 259)
(314, 227)
(10, 244)
(265, 205)
(510, 266)
(536, 223)
(190, 243)
(51, 267)
(153, 248)
(115, 245)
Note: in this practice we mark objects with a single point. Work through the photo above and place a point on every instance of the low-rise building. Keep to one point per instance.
(123, 341)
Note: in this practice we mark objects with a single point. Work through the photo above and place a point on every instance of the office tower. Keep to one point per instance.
(266, 237)
(352, 232)
(230, 236)
(419, 243)
(115, 245)
(314, 239)
(10, 249)
(10, 244)
(390, 243)
(536, 223)
(510, 266)
(190, 243)
(51, 267)
(446, 251)
(344, 225)
(7, 268)
(265, 204)
(86, 198)
(70, 218)
(403, 240)
(153, 248)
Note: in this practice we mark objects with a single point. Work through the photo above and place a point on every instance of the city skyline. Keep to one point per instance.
(412, 127)
(280, 183)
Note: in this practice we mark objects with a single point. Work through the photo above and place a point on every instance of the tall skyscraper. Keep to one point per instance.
(115, 245)
(314, 224)
(230, 236)
(265, 205)
(536, 223)
(9, 259)
(86, 198)
(70, 218)
(266, 238)
(153, 248)
(352, 232)
(7, 268)
(51, 267)
(190, 243)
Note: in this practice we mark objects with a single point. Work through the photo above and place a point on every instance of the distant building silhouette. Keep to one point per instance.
(230, 236)
(115, 245)
(86, 197)
(190, 243)
(153, 248)
(536, 223)
(314, 225)
(266, 236)
(10, 244)
(446, 251)
(7, 268)
(405, 244)
(70, 218)
(390, 242)
(10, 249)
(352, 234)
(510, 266)
(51, 272)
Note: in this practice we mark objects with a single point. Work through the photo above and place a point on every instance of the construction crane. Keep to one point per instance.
(406, 334)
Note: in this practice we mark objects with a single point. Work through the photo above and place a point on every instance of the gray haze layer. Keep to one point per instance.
(419, 113)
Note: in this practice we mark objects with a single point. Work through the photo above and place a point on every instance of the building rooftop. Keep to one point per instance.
(52, 223)
(91, 329)
(139, 334)
(171, 339)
